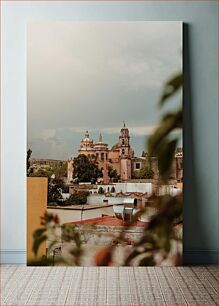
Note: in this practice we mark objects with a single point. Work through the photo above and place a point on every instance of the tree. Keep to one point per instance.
(60, 170)
(86, 168)
(146, 173)
(54, 193)
(29, 152)
(60, 184)
(79, 197)
(113, 175)
(42, 173)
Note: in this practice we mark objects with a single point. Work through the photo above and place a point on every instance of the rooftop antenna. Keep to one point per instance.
(124, 123)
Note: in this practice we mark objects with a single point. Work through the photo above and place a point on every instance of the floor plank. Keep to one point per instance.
(124, 286)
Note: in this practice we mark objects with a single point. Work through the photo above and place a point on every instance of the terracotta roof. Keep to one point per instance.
(107, 221)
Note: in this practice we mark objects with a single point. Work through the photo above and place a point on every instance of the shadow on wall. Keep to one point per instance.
(192, 223)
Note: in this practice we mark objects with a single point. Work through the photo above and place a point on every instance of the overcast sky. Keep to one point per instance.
(92, 76)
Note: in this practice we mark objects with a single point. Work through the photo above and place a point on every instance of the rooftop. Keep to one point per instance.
(81, 206)
(107, 221)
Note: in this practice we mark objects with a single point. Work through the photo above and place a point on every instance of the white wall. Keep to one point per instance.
(71, 215)
(134, 187)
(127, 187)
(99, 199)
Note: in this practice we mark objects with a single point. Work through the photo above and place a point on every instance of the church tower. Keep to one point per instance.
(124, 142)
(126, 153)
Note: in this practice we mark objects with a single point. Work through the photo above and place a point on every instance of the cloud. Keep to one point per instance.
(42, 133)
(136, 130)
(93, 75)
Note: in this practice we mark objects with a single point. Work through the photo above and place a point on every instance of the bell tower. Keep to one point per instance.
(125, 153)
(124, 141)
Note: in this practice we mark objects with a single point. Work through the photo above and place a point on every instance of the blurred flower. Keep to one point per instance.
(104, 256)
(56, 219)
(46, 213)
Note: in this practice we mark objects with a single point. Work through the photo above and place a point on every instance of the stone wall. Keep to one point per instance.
(104, 235)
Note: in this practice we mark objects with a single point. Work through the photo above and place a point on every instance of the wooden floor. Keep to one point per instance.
(126, 286)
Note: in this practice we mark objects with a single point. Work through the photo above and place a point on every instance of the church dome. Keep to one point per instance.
(100, 145)
(87, 142)
(87, 138)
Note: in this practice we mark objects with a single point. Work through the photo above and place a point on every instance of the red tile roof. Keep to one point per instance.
(107, 221)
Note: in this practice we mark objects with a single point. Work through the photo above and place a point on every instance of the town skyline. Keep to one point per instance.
(110, 138)
(95, 134)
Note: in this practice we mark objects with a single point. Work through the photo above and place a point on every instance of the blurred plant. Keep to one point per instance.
(50, 231)
(48, 221)
(104, 256)
(161, 144)
(71, 235)
(161, 234)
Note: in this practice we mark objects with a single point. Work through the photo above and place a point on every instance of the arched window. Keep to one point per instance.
(123, 141)
(113, 189)
(123, 151)
(102, 156)
(135, 203)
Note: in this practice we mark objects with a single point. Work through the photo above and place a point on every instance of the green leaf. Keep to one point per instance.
(131, 256)
(37, 243)
(171, 87)
(41, 262)
(169, 123)
(165, 157)
(37, 233)
(146, 238)
(147, 261)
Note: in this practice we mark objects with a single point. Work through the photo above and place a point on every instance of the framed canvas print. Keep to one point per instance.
(104, 149)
